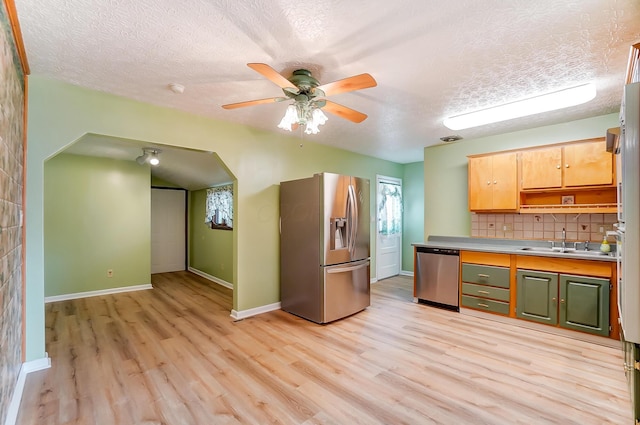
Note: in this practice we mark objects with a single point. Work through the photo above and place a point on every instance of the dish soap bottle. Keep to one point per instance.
(604, 246)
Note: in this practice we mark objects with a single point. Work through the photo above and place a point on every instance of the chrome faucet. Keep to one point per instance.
(564, 239)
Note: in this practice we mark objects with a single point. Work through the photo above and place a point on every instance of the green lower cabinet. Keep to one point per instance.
(537, 296)
(485, 304)
(575, 302)
(584, 304)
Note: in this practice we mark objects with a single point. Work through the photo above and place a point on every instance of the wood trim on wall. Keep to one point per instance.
(12, 14)
(634, 62)
(23, 218)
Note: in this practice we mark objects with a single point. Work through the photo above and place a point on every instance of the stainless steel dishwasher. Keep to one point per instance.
(437, 277)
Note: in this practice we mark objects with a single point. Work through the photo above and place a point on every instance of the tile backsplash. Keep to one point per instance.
(579, 227)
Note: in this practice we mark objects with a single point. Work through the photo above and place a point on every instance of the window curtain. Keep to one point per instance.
(390, 209)
(219, 208)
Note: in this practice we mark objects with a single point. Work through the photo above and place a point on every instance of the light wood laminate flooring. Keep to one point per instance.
(173, 356)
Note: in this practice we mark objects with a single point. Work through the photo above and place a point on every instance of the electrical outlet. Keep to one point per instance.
(109, 273)
(506, 228)
(601, 229)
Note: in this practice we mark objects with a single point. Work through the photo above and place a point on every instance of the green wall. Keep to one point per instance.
(210, 250)
(445, 168)
(61, 113)
(413, 211)
(96, 217)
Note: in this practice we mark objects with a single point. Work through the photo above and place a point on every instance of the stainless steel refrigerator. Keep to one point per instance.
(324, 246)
(628, 238)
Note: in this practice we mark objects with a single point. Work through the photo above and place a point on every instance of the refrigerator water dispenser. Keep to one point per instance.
(339, 232)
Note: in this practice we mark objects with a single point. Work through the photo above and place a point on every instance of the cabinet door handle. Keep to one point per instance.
(495, 182)
(483, 292)
(488, 181)
(558, 167)
(483, 305)
(561, 300)
(566, 165)
(486, 276)
(553, 299)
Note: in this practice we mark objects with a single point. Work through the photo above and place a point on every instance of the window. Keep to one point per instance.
(219, 206)
(390, 208)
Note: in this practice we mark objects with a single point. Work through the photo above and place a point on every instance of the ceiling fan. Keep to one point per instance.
(308, 97)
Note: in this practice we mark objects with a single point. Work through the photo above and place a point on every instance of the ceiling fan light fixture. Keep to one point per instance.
(290, 118)
(317, 118)
(305, 91)
(303, 113)
(534, 105)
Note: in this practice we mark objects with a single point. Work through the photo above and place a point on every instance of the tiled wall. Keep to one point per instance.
(579, 227)
(11, 154)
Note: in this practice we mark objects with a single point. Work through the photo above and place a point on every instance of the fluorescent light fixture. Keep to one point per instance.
(521, 108)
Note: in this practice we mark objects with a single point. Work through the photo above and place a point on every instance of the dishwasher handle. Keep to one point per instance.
(441, 251)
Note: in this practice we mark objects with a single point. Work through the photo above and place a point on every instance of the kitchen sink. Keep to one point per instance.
(540, 249)
(559, 250)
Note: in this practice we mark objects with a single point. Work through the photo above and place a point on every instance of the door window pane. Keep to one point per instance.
(390, 209)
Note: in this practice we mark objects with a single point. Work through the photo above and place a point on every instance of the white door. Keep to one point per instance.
(168, 230)
(389, 228)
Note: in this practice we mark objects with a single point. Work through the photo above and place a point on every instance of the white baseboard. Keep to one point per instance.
(211, 278)
(38, 364)
(402, 273)
(27, 367)
(87, 294)
(243, 314)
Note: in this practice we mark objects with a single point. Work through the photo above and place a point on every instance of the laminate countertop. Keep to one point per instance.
(520, 247)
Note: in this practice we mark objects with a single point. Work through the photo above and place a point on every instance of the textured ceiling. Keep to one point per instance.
(431, 59)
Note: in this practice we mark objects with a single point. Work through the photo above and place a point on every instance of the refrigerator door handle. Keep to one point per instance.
(353, 217)
(619, 235)
(347, 269)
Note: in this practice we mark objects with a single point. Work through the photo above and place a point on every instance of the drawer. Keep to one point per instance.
(485, 291)
(485, 275)
(486, 305)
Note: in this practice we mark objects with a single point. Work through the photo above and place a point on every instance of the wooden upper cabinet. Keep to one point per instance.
(505, 181)
(587, 164)
(480, 190)
(541, 168)
(574, 176)
(572, 165)
(493, 182)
